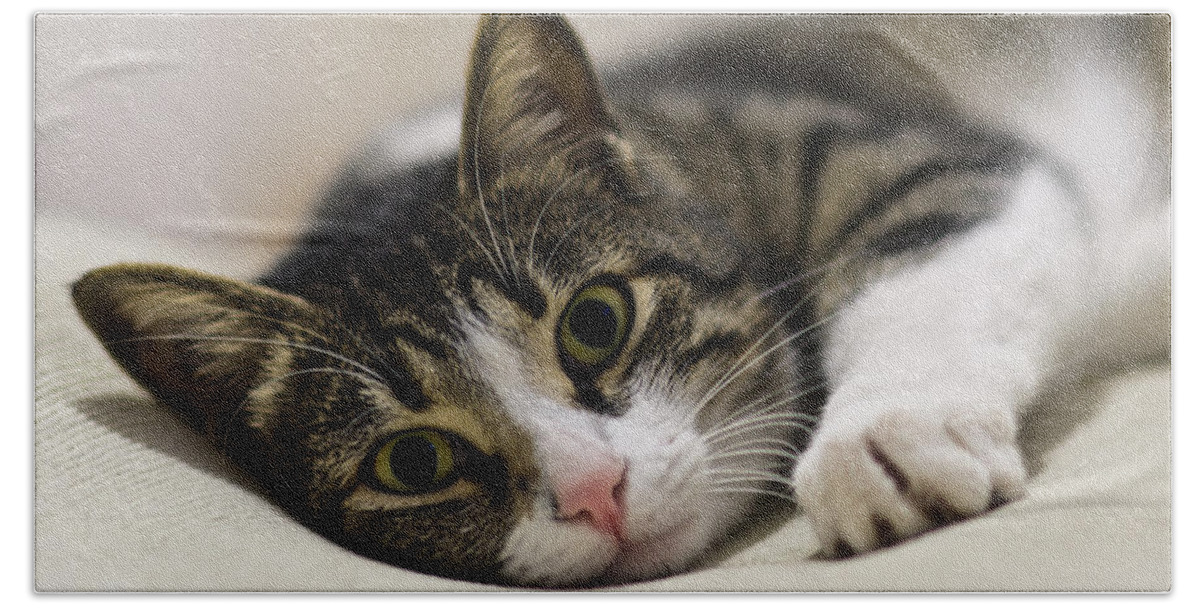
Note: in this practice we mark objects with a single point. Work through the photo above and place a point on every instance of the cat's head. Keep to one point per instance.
(564, 376)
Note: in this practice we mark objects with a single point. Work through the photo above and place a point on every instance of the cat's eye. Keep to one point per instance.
(595, 324)
(414, 462)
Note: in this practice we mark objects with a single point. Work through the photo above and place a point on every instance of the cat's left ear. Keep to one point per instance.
(534, 114)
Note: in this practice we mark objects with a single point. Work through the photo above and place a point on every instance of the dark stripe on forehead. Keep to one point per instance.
(667, 264)
(430, 346)
(714, 343)
(406, 389)
(380, 354)
(519, 292)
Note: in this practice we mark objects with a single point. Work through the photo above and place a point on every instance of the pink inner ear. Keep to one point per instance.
(595, 496)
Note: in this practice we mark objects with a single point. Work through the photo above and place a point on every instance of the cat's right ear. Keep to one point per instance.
(534, 114)
(198, 343)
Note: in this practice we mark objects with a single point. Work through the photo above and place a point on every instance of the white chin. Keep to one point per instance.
(668, 553)
(557, 554)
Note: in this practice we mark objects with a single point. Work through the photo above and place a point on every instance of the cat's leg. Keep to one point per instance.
(929, 368)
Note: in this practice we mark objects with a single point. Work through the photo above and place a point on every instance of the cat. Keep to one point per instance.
(627, 316)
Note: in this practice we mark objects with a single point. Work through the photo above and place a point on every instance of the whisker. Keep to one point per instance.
(562, 239)
(312, 370)
(823, 268)
(562, 184)
(733, 372)
(748, 482)
(504, 215)
(766, 415)
(738, 368)
(296, 345)
(372, 352)
(750, 365)
(748, 475)
(286, 323)
(741, 409)
(748, 490)
(782, 423)
(474, 237)
(732, 471)
(775, 406)
(779, 441)
(761, 421)
(478, 177)
(330, 370)
(724, 454)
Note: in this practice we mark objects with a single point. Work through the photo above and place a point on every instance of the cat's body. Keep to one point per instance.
(588, 343)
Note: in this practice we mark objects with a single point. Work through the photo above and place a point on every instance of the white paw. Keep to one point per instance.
(873, 476)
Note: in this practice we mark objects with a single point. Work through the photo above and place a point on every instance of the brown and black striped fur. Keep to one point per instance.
(735, 185)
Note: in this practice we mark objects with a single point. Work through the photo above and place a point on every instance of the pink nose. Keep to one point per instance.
(596, 497)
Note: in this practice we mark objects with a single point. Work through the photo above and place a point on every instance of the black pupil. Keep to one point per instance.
(594, 324)
(414, 461)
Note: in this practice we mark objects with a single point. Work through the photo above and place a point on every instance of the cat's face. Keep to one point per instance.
(568, 385)
(617, 431)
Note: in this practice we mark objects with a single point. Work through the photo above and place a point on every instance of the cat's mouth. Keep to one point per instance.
(650, 556)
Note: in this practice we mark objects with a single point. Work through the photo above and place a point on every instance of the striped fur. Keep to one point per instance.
(746, 196)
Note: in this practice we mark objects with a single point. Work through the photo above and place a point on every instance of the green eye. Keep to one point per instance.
(595, 325)
(414, 462)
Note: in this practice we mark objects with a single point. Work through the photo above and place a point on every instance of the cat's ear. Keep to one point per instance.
(534, 113)
(198, 343)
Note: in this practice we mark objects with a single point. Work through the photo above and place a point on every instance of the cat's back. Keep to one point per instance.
(831, 59)
(816, 135)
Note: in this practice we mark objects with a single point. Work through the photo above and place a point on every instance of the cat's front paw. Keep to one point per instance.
(871, 479)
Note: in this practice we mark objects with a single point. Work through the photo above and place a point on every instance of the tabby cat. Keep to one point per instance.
(592, 343)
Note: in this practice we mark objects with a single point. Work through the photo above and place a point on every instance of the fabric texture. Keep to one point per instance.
(204, 141)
